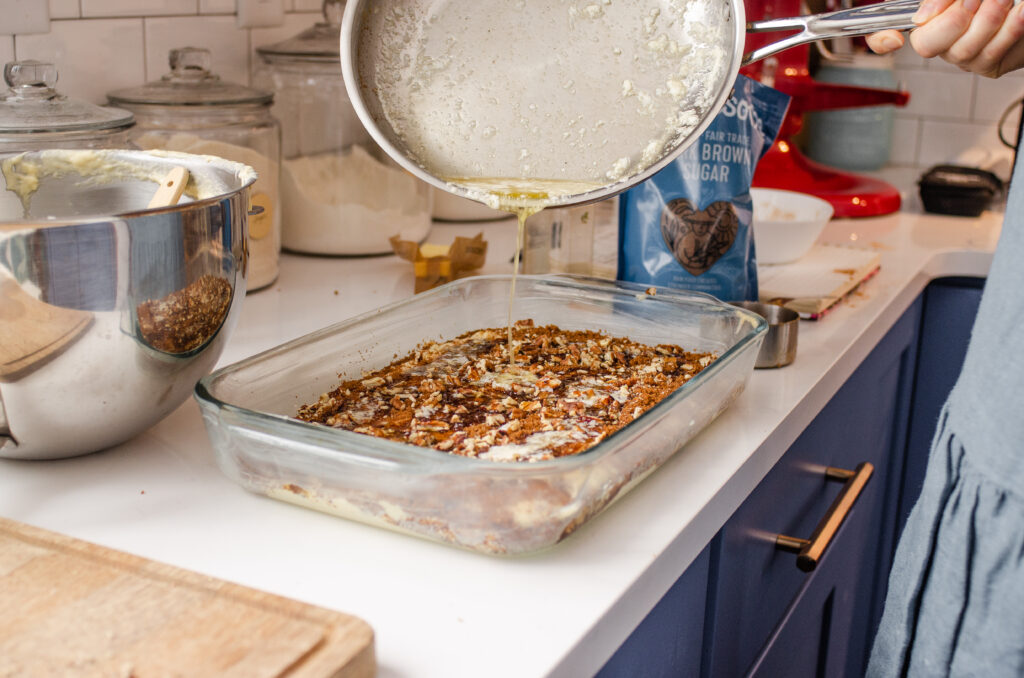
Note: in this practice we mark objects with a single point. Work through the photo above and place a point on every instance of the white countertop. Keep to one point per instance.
(436, 610)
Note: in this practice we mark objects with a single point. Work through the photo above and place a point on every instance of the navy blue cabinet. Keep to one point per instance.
(668, 642)
(762, 616)
(766, 617)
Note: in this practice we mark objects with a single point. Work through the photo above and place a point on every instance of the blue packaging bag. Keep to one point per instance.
(688, 226)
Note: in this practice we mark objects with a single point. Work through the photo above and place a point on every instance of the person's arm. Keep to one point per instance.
(980, 36)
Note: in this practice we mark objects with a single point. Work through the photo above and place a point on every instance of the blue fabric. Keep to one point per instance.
(955, 605)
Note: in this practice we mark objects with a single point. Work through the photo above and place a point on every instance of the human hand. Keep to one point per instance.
(979, 36)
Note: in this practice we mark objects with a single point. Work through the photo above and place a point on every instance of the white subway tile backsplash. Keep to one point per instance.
(906, 57)
(92, 57)
(65, 9)
(229, 46)
(216, 6)
(24, 16)
(135, 8)
(294, 23)
(943, 142)
(938, 65)
(938, 95)
(6, 50)
(253, 13)
(906, 136)
(993, 97)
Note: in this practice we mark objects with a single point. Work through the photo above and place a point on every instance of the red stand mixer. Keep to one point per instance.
(784, 166)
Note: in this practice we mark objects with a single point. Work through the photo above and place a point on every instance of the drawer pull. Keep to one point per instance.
(810, 551)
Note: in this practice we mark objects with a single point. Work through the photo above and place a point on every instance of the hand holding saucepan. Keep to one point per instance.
(979, 36)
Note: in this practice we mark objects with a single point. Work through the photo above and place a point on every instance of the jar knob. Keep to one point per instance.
(31, 78)
(333, 9)
(190, 62)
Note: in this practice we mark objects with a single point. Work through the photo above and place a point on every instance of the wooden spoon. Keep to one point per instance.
(170, 188)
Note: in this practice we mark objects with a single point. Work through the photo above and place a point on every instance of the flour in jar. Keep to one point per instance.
(351, 203)
(265, 227)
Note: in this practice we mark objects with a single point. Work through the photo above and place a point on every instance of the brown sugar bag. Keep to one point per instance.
(689, 226)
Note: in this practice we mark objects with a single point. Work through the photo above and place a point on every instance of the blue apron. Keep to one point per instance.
(955, 604)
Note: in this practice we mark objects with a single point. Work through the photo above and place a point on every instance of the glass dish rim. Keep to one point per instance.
(308, 433)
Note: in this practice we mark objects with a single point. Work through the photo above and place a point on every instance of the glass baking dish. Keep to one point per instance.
(486, 506)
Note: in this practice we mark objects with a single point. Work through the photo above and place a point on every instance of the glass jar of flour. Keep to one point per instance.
(341, 194)
(191, 110)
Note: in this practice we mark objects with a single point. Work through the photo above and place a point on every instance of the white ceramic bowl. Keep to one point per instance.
(786, 223)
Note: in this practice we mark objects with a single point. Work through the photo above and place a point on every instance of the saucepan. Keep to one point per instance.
(557, 102)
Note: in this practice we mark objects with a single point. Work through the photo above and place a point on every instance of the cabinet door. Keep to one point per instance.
(667, 643)
(803, 643)
(755, 587)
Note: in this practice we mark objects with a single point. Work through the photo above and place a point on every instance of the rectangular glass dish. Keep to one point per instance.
(486, 506)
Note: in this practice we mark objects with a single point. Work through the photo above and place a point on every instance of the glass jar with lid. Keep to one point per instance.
(35, 116)
(191, 110)
(340, 193)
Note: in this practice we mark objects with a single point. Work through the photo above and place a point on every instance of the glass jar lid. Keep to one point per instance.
(31, 105)
(190, 83)
(320, 42)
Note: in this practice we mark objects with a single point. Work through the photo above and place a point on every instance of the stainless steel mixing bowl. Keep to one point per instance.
(110, 312)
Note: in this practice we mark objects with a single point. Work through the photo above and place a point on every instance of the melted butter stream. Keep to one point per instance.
(523, 198)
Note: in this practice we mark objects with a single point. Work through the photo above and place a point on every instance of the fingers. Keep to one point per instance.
(884, 42)
(984, 27)
(1005, 51)
(980, 36)
(930, 9)
(939, 33)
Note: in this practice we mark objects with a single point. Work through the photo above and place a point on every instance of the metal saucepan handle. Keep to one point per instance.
(845, 23)
(810, 551)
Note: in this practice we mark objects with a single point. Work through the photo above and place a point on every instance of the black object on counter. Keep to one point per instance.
(958, 190)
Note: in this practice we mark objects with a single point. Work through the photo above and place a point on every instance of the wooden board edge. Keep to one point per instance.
(343, 632)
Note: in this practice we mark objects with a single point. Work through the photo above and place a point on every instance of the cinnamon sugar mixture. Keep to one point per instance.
(185, 320)
(566, 391)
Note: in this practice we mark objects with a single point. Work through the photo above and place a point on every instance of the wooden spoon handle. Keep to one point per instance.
(170, 188)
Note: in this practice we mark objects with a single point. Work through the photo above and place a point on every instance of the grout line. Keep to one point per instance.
(145, 52)
(248, 56)
(973, 107)
(918, 143)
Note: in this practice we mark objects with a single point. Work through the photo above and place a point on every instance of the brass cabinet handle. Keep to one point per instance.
(810, 551)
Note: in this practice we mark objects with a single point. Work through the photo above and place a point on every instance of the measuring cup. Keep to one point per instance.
(555, 102)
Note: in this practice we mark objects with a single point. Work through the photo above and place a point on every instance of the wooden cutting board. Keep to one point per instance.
(817, 281)
(71, 608)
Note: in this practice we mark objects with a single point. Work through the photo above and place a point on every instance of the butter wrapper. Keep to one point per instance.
(434, 265)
